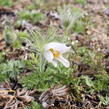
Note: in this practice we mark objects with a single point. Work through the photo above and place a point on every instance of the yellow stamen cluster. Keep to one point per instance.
(56, 53)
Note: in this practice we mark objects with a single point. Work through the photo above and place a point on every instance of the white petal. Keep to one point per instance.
(48, 56)
(64, 61)
(61, 47)
(55, 63)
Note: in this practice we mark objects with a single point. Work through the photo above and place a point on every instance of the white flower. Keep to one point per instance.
(53, 53)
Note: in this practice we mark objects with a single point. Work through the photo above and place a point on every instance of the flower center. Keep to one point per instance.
(56, 53)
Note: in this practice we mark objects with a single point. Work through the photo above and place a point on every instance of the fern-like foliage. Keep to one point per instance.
(69, 16)
(11, 69)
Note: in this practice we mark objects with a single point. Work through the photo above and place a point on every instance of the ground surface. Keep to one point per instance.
(27, 80)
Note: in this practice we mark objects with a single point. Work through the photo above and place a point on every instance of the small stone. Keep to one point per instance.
(106, 12)
(88, 32)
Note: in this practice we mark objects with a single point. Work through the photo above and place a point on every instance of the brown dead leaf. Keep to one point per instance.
(14, 99)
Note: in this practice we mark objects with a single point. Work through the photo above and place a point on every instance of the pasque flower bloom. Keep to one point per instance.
(53, 52)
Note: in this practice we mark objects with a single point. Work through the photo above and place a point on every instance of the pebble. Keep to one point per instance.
(107, 11)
